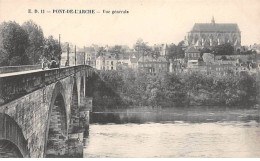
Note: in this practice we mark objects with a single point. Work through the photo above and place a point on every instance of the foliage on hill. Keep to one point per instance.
(124, 89)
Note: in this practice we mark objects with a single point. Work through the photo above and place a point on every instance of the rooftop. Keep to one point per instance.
(215, 27)
(191, 49)
(219, 27)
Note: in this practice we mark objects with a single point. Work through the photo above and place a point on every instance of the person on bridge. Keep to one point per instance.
(43, 61)
(67, 63)
(53, 63)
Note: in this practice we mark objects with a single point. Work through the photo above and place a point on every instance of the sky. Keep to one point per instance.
(155, 21)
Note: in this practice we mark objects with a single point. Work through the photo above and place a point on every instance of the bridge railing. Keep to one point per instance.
(13, 86)
(10, 69)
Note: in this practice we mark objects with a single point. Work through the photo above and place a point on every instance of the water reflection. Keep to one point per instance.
(208, 133)
(176, 139)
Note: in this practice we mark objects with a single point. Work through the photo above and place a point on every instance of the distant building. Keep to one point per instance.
(176, 66)
(124, 59)
(162, 49)
(192, 57)
(221, 69)
(152, 65)
(71, 62)
(91, 59)
(106, 62)
(213, 34)
(129, 60)
(133, 62)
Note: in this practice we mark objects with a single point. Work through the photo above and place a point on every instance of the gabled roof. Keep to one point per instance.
(218, 27)
(125, 55)
(161, 59)
(191, 49)
(133, 60)
(151, 59)
(145, 59)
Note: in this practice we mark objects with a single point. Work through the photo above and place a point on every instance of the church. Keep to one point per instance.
(213, 34)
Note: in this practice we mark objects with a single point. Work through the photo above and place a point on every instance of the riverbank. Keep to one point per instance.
(198, 114)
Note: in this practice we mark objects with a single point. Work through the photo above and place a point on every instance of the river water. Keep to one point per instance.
(234, 134)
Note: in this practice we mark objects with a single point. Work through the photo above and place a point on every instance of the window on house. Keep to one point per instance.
(111, 62)
(111, 68)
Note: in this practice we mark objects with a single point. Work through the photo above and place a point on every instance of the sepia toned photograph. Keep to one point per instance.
(129, 79)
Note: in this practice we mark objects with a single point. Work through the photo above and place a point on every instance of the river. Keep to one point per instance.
(228, 133)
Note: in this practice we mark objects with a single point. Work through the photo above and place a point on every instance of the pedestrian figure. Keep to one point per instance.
(53, 63)
(42, 62)
(67, 63)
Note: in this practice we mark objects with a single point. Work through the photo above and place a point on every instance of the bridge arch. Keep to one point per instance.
(9, 150)
(74, 108)
(57, 130)
(12, 141)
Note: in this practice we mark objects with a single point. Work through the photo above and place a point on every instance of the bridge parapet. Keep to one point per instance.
(10, 69)
(15, 85)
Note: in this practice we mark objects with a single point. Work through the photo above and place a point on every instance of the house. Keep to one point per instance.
(106, 62)
(153, 65)
(176, 65)
(91, 58)
(221, 69)
(161, 48)
(192, 57)
(124, 59)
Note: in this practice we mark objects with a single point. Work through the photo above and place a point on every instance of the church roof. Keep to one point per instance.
(212, 27)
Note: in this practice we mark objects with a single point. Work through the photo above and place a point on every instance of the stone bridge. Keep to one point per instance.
(44, 112)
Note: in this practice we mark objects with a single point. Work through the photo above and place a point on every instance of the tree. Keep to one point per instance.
(3, 57)
(175, 51)
(117, 50)
(36, 41)
(14, 42)
(101, 51)
(208, 58)
(51, 48)
(142, 48)
(156, 52)
(223, 49)
(64, 46)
